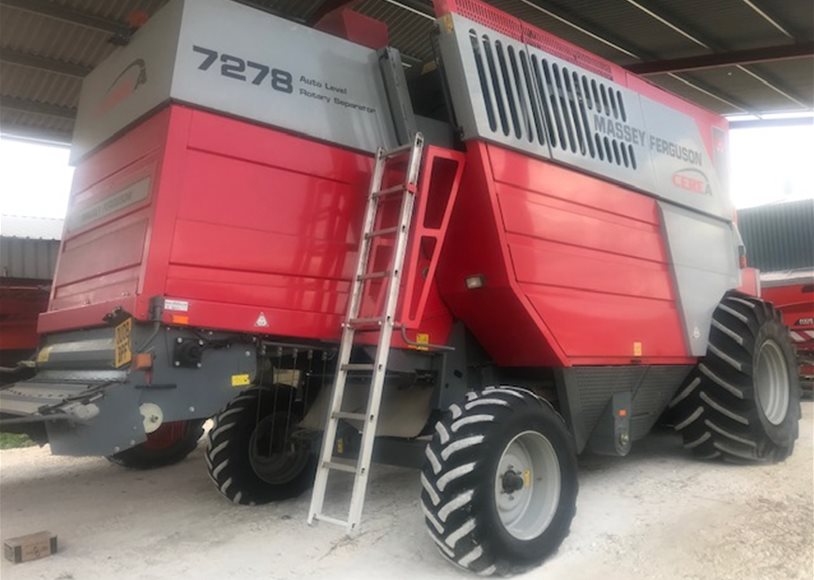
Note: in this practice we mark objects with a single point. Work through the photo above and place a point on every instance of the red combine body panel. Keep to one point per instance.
(582, 260)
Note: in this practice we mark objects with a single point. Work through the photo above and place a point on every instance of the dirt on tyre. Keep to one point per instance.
(742, 402)
(167, 445)
(251, 455)
(499, 481)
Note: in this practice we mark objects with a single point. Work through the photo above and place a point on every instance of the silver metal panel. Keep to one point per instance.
(596, 124)
(489, 99)
(591, 122)
(230, 58)
(129, 83)
(703, 256)
(683, 171)
(317, 84)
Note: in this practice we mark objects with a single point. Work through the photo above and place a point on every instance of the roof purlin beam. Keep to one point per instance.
(771, 19)
(59, 12)
(42, 63)
(27, 106)
(705, 43)
(735, 57)
(602, 36)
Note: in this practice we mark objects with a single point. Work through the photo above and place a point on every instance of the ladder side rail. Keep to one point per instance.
(346, 344)
(385, 337)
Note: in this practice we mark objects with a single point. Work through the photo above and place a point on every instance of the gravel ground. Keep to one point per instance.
(655, 514)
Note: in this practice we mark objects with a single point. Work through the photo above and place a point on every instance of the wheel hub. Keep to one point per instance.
(275, 455)
(527, 485)
(772, 382)
(512, 481)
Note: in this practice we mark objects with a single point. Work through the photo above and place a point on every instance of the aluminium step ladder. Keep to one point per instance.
(384, 324)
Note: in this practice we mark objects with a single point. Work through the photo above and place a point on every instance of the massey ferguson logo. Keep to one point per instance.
(692, 180)
(129, 80)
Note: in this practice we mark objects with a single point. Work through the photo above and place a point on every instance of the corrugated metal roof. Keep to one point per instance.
(40, 96)
(26, 258)
(779, 236)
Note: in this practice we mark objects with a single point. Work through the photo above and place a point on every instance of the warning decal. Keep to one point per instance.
(261, 321)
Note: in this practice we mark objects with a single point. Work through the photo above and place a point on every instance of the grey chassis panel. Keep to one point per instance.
(181, 393)
(227, 57)
(704, 261)
(584, 393)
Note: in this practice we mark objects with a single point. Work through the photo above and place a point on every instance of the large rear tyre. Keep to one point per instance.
(167, 445)
(500, 482)
(252, 456)
(742, 402)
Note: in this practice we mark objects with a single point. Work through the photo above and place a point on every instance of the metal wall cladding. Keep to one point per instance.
(27, 258)
(779, 236)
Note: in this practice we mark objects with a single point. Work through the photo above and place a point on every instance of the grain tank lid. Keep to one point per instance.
(787, 277)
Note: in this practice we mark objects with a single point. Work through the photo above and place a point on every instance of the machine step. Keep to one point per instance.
(374, 275)
(347, 415)
(382, 232)
(337, 466)
(366, 367)
(388, 191)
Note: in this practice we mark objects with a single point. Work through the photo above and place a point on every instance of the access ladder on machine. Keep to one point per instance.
(384, 323)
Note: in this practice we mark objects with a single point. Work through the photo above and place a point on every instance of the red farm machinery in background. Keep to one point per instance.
(479, 268)
(792, 293)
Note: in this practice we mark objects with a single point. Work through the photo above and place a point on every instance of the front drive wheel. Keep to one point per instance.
(253, 455)
(742, 402)
(500, 481)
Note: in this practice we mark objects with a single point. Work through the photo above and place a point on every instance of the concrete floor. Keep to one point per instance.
(655, 514)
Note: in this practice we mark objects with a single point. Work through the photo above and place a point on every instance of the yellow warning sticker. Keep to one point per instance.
(44, 354)
(422, 338)
(121, 340)
(637, 349)
(241, 380)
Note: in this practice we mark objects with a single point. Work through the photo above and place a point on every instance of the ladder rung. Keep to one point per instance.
(347, 415)
(330, 520)
(340, 466)
(357, 322)
(373, 275)
(398, 151)
(382, 232)
(388, 191)
(358, 367)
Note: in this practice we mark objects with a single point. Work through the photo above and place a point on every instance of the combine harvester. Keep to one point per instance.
(481, 269)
